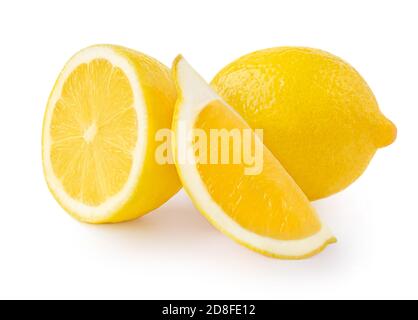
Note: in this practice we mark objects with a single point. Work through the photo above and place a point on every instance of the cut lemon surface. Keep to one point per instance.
(98, 135)
(267, 212)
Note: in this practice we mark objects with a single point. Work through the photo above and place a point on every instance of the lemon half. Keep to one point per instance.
(99, 135)
(266, 212)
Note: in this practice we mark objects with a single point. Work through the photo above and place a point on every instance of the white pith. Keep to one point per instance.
(112, 204)
(195, 96)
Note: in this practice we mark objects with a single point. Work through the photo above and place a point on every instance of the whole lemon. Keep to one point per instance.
(320, 118)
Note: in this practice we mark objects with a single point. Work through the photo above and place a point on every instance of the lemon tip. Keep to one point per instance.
(387, 134)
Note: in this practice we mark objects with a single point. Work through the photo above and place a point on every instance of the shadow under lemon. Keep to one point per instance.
(175, 223)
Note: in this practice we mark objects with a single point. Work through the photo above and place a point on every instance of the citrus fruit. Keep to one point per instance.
(265, 210)
(98, 139)
(319, 116)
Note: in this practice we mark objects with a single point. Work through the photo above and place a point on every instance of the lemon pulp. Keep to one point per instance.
(94, 132)
(270, 203)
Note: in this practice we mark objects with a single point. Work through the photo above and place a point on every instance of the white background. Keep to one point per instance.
(173, 252)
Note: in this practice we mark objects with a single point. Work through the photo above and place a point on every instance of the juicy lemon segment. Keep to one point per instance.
(94, 131)
(266, 212)
(99, 135)
(270, 203)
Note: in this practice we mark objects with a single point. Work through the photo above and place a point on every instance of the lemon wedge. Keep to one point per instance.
(265, 211)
